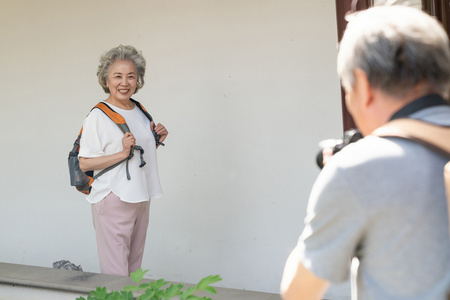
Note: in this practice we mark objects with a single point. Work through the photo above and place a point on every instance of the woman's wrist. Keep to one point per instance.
(125, 153)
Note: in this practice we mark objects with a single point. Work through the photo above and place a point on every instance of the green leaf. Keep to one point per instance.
(154, 289)
(189, 291)
(137, 275)
(205, 282)
(143, 286)
(210, 290)
(159, 294)
(127, 295)
(116, 296)
(173, 290)
(129, 288)
(99, 294)
(193, 297)
(160, 283)
(145, 297)
(149, 294)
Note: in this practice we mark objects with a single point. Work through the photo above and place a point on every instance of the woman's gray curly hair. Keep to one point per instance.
(121, 52)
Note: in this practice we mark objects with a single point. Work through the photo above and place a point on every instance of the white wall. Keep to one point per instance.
(246, 89)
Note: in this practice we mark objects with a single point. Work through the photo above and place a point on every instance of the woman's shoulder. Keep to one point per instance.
(96, 113)
(97, 118)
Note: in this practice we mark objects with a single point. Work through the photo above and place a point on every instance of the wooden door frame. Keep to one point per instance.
(440, 9)
(342, 8)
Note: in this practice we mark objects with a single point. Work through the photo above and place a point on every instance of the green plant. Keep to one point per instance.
(154, 290)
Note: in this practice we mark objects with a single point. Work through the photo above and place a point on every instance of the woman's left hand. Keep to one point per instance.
(160, 130)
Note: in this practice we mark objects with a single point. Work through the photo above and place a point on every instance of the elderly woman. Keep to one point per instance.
(120, 206)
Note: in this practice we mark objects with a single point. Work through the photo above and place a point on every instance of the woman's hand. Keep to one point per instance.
(103, 162)
(128, 142)
(160, 130)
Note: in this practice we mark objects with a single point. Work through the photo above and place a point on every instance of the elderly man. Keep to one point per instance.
(382, 200)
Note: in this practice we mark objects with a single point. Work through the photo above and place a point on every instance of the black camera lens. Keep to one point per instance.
(350, 136)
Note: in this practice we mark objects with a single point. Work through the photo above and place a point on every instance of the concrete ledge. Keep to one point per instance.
(20, 292)
(37, 281)
(56, 279)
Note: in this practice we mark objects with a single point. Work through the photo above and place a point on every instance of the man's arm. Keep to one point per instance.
(299, 283)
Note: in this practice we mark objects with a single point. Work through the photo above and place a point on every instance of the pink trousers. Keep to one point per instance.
(121, 230)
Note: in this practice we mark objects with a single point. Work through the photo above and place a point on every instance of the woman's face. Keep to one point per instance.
(122, 80)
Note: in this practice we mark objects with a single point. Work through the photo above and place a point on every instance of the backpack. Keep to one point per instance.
(436, 138)
(83, 180)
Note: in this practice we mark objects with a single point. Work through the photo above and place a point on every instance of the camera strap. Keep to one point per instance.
(436, 138)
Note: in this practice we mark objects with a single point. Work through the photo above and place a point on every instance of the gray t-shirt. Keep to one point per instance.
(382, 200)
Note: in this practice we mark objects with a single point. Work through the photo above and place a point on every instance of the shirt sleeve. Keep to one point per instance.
(334, 226)
(91, 144)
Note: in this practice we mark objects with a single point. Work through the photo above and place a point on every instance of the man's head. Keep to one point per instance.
(397, 51)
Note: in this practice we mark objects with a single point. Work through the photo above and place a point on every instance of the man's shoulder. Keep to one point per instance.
(365, 150)
(439, 115)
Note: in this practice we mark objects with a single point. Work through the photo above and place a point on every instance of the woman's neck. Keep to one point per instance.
(123, 104)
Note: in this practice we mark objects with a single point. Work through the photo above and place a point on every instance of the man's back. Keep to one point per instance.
(383, 201)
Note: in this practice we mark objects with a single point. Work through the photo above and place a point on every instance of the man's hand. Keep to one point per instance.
(299, 283)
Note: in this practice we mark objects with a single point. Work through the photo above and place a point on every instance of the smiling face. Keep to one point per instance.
(121, 81)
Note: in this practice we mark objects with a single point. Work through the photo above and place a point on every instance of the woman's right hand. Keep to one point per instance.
(102, 162)
(128, 142)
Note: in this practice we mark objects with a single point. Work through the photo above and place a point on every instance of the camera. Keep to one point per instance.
(336, 145)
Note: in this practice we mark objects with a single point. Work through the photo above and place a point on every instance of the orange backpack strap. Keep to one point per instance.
(113, 115)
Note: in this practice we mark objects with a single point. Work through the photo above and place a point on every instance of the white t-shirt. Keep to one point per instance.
(101, 136)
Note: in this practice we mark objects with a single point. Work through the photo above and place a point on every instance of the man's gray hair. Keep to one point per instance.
(121, 52)
(397, 47)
